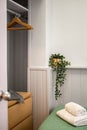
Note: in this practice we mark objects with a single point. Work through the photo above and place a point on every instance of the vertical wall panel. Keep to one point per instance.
(75, 87)
(39, 89)
(72, 86)
(83, 90)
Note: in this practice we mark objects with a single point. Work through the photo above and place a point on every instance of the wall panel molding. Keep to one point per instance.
(39, 82)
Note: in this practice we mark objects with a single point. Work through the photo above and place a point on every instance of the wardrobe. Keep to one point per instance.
(17, 45)
(19, 114)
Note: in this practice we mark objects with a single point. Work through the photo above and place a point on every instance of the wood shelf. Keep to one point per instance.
(12, 5)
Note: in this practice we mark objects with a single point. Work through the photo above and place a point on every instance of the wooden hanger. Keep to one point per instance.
(16, 20)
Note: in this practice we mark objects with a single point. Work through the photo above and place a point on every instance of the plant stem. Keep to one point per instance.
(57, 88)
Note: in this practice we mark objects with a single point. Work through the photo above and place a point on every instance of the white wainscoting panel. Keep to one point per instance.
(39, 87)
(42, 86)
(83, 91)
(75, 87)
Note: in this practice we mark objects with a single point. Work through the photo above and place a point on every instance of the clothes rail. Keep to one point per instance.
(13, 12)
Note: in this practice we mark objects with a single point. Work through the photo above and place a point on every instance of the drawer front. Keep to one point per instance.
(25, 125)
(19, 112)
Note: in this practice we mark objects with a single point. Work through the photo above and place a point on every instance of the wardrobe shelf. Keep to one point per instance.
(12, 5)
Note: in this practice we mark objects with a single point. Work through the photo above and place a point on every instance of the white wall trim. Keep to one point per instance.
(39, 86)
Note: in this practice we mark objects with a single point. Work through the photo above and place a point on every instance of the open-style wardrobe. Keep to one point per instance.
(19, 115)
(17, 44)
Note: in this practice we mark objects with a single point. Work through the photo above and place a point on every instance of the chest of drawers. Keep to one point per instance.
(20, 114)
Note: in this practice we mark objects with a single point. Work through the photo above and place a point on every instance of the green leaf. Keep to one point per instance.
(58, 63)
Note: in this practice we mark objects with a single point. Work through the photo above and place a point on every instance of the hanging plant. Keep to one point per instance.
(58, 63)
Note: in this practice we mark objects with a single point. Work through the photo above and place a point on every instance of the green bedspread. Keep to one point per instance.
(53, 122)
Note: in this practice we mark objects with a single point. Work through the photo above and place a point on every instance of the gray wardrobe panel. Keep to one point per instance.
(17, 54)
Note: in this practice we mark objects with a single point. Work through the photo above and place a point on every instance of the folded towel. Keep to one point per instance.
(74, 120)
(75, 109)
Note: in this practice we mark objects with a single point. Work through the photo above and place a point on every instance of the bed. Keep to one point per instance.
(53, 122)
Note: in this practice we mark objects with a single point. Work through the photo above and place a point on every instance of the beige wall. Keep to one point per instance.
(38, 34)
(60, 27)
(66, 22)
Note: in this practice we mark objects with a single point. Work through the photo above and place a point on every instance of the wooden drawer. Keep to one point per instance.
(19, 112)
(25, 95)
(25, 125)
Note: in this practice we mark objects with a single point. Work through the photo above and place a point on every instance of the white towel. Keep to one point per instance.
(74, 120)
(75, 109)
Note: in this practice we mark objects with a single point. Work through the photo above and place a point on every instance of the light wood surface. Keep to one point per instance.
(20, 114)
(25, 125)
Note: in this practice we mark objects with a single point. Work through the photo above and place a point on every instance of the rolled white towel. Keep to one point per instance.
(74, 120)
(75, 109)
